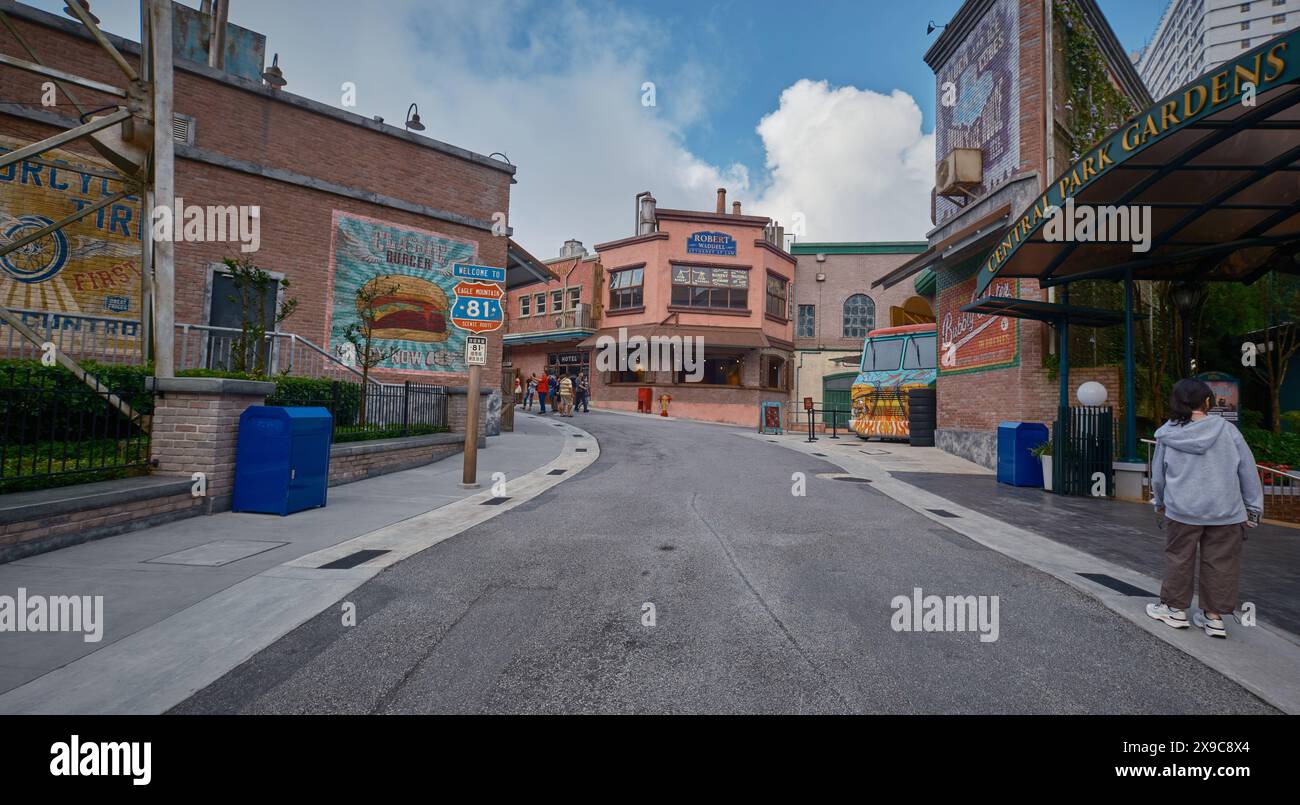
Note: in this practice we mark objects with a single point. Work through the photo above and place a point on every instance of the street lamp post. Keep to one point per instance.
(1187, 296)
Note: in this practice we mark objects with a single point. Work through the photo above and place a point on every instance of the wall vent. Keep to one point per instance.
(183, 129)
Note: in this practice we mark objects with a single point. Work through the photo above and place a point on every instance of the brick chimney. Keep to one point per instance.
(735, 208)
(722, 200)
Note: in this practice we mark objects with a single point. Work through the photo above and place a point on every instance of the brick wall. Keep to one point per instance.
(47, 533)
(356, 462)
(846, 275)
(296, 223)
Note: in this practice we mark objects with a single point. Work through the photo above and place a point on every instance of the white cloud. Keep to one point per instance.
(854, 162)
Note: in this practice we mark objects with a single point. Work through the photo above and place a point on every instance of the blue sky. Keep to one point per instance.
(821, 111)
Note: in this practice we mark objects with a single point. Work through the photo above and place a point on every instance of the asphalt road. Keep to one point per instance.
(764, 602)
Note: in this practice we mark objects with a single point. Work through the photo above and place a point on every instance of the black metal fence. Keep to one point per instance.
(381, 410)
(56, 430)
(1083, 450)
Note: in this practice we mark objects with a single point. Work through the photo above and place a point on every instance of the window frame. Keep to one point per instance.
(799, 321)
(866, 329)
(634, 292)
(708, 288)
(784, 298)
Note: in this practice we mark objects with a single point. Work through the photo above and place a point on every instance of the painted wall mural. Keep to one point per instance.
(87, 269)
(985, 72)
(412, 269)
(971, 342)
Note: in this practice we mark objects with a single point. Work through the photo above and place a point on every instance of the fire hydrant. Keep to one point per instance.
(664, 399)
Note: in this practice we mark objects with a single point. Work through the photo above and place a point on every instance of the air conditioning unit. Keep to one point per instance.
(959, 173)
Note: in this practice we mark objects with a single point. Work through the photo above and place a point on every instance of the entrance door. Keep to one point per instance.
(226, 311)
(837, 394)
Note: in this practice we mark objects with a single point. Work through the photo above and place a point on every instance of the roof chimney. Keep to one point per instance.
(722, 200)
(735, 208)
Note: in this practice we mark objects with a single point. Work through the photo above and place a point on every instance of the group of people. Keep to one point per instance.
(566, 394)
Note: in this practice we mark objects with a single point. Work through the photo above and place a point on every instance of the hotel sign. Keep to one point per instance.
(715, 243)
(1271, 65)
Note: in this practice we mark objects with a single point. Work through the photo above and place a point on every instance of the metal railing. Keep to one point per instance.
(1281, 489)
(384, 411)
(101, 339)
(202, 346)
(56, 430)
(833, 420)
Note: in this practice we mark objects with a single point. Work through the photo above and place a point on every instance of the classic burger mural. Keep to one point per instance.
(413, 267)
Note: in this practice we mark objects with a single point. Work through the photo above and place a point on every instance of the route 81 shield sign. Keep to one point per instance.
(477, 307)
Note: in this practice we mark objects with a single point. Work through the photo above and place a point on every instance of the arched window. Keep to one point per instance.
(859, 316)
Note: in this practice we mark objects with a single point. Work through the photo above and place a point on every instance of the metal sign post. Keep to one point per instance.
(476, 309)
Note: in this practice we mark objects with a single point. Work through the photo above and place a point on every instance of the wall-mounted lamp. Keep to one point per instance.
(413, 118)
(274, 76)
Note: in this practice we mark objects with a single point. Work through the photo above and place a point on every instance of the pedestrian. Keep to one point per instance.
(553, 383)
(541, 394)
(566, 395)
(519, 391)
(584, 393)
(1206, 486)
(531, 392)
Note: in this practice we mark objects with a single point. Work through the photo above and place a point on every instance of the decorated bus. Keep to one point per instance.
(894, 360)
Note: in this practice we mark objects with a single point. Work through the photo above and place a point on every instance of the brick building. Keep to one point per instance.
(835, 308)
(717, 276)
(998, 97)
(545, 321)
(345, 202)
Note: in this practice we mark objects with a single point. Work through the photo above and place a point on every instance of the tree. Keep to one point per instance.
(361, 334)
(1278, 297)
(252, 284)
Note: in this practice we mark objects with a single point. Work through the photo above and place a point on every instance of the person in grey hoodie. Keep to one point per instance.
(1204, 482)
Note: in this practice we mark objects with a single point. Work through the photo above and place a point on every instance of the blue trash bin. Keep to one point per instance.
(1016, 465)
(282, 459)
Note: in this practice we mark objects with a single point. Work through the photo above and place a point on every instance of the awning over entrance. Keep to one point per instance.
(742, 337)
(1044, 311)
(1218, 169)
(524, 269)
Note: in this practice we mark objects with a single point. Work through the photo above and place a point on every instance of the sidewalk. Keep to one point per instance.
(199, 596)
(1110, 550)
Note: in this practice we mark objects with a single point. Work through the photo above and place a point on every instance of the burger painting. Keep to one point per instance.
(410, 270)
(408, 308)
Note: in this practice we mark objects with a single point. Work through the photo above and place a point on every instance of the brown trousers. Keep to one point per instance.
(1220, 565)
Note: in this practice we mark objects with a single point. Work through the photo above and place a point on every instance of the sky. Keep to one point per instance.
(820, 112)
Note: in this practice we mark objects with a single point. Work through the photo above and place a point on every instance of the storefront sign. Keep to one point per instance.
(411, 270)
(770, 419)
(976, 342)
(88, 268)
(1262, 69)
(716, 243)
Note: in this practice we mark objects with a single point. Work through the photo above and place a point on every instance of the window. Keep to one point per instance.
(919, 353)
(1279, 19)
(625, 289)
(557, 301)
(882, 356)
(697, 286)
(773, 372)
(525, 306)
(859, 316)
(541, 303)
(1245, 43)
(1245, 7)
(718, 371)
(575, 297)
(806, 326)
(1245, 26)
(776, 297)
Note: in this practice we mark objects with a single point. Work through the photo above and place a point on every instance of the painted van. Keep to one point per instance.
(894, 360)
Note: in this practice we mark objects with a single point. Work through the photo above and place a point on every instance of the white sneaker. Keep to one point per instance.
(1212, 626)
(1176, 618)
